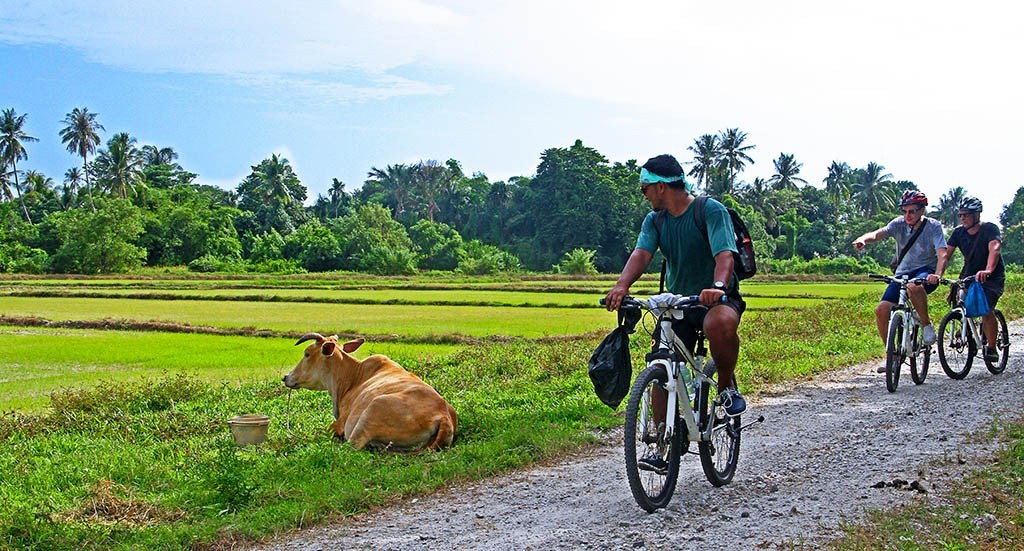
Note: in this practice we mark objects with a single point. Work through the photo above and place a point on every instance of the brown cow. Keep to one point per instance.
(377, 403)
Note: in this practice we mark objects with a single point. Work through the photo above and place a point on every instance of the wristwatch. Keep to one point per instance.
(720, 285)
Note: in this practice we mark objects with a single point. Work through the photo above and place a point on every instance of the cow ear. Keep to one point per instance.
(328, 348)
(352, 345)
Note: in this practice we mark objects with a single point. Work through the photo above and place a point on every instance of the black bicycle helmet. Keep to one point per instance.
(913, 197)
(969, 203)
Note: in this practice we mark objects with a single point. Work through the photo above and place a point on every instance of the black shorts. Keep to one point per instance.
(993, 290)
(693, 320)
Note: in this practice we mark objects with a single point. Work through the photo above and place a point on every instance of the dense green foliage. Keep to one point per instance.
(423, 216)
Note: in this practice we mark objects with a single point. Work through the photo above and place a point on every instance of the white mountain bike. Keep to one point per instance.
(675, 401)
(905, 341)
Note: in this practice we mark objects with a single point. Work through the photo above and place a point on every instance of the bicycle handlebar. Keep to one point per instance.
(632, 302)
(902, 280)
(962, 282)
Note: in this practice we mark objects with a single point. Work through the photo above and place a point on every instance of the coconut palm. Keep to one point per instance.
(394, 182)
(733, 153)
(872, 190)
(119, 167)
(152, 155)
(81, 136)
(12, 149)
(758, 195)
(707, 150)
(948, 206)
(837, 182)
(72, 182)
(336, 194)
(6, 182)
(787, 171)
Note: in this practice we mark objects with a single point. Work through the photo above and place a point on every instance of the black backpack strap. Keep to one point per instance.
(700, 203)
(659, 221)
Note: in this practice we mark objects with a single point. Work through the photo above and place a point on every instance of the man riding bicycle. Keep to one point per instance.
(926, 251)
(696, 266)
(980, 244)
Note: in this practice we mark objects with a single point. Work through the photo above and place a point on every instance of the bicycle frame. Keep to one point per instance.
(667, 346)
(969, 330)
(911, 321)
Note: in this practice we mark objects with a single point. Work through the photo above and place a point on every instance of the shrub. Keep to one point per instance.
(577, 262)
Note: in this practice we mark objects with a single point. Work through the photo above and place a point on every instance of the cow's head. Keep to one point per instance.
(312, 371)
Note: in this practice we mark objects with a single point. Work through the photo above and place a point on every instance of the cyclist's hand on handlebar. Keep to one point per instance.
(982, 275)
(613, 299)
(709, 297)
(934, 278)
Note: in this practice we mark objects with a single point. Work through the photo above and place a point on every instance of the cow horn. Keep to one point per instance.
(309, 337)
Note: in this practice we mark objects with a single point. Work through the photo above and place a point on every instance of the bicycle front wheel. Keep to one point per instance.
(956, 346)
(894, 353)
(720, 454)
(652, 460)
(923, 354)
(1002, 346)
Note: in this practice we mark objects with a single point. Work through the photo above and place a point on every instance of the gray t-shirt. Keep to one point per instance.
(922, 253)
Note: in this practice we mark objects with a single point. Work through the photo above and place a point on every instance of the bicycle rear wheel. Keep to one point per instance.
(919, 361)
(646, 448)
(894, 354)
(956, 346)
(720, 454)
(1002, 346)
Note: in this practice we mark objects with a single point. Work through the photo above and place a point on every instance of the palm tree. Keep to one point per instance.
(152, 155)
(12, 134)
(430, 179)
(707, 151)
(72, 181)
(837, 183)
(872, 190)
(119, 167)
(758, 195)
(81, 136)
(947, 208)
(734, 153)
(786, 172)
(5, 183)
(394, 181)
(336, 194)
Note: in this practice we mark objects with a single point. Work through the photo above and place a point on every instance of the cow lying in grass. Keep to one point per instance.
(377, 403)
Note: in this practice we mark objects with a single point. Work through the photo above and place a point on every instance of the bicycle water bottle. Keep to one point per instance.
(689, 382)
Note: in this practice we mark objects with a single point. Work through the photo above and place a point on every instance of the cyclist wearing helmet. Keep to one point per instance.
(980, 244)
(921, 260)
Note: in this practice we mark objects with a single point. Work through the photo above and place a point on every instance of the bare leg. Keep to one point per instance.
(882, 312)
(720, 326)
(919, 298)
(991, 328)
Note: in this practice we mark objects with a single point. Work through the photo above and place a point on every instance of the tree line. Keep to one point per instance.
(128, 205)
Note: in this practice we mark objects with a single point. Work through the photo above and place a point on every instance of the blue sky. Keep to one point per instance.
(931, 90)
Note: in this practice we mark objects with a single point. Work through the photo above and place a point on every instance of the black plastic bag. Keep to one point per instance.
(610, 368)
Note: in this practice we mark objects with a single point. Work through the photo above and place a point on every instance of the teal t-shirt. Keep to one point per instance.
(691, 261)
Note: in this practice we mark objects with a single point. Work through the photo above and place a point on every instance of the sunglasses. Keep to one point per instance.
(645, 187)
(963, 214)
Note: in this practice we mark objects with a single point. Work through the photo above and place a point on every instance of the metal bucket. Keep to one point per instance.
(249, 429)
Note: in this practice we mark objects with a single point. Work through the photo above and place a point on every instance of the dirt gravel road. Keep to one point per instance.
(829, 449)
